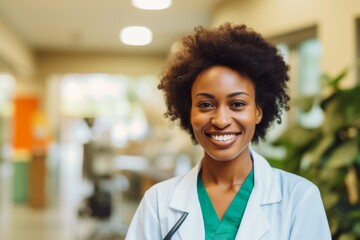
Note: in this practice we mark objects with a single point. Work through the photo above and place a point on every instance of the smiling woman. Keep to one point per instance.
(226, 86)
(224, 113)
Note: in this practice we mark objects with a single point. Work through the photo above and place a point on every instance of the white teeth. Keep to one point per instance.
(223, 138)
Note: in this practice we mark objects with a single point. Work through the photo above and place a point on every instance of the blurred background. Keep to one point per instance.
(82, 132)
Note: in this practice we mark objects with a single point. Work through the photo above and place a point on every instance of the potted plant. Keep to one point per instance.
(329, 155)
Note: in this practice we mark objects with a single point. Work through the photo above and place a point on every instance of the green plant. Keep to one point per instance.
(329, 155)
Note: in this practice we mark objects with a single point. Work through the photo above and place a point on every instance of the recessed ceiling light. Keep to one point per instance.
(136, 35)
(151, 4)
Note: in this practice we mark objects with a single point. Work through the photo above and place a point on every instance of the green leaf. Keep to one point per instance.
(356, 229)
(296, 136)
(330, 200)
(328, 175)
(314, 155)
(344, 155)
(305, 103)
(347, 236)
(344, 104)
(334, 119)
(276, 163)
(357, 159)
(335, 81)
(355, 215)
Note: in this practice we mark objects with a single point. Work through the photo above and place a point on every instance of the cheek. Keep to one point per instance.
(196, 125)
(247, 119)
(197, 121)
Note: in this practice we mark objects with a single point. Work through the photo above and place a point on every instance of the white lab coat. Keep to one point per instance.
(281, 206)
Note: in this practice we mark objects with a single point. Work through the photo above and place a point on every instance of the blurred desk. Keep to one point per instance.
(152, 176)
(140, 168)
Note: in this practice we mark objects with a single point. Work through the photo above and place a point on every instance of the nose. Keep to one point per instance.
(221, 118)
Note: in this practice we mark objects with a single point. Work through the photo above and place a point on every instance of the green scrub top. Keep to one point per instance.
(227, 228)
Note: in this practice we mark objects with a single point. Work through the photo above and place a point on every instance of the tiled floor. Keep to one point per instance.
(60, 220)
(24, 223)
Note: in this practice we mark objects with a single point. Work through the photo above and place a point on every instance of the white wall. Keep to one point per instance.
(335, 20)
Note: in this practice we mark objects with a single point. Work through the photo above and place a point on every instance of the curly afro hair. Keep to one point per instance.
(237, 47)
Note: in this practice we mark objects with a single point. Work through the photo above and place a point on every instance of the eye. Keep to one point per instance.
(205, 105)
(237, 104)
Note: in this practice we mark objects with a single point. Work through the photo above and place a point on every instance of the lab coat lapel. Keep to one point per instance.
(185, 199)
(254, 223)
(193, 226)
(266, 190)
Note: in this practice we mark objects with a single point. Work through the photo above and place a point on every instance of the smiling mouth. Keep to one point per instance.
(223, 137)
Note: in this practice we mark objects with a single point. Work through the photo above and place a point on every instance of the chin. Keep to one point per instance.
(223, 157)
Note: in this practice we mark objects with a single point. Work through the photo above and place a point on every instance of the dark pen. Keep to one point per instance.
(176, 226)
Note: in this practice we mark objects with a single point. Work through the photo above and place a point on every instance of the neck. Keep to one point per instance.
(226, 174)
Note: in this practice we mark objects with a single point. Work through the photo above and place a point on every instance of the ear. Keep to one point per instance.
(259, 114)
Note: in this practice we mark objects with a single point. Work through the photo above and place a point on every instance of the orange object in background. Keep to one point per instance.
(24, 110)
(31, 136)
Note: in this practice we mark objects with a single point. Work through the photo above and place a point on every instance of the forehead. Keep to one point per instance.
(218, 79)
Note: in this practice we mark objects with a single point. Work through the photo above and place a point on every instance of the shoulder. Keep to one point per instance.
(269, 177)
(292, 182)
(292, 200)
(162, 192)
(284, 185)
(303, 201)
(297, 191)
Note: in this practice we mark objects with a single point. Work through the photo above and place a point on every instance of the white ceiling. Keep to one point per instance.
(94, 25)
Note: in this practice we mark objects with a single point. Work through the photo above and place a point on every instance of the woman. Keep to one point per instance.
(226, 86)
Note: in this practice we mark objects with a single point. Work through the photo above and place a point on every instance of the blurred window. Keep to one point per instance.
(7, 88)
(118, 103)
(302, 51)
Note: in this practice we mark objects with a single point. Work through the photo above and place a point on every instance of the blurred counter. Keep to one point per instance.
(140, 173)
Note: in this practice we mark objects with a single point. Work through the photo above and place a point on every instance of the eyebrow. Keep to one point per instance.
(228, 96)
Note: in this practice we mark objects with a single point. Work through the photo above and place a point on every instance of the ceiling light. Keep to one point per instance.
(151, 4)
(136, 35)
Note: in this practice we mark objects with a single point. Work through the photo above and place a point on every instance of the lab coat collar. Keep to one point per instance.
(266, 186)
(254, 223)
(185, 199)
(266, 191)
(186, 192)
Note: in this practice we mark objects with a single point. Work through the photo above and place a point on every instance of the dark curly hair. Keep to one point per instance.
(237, 47)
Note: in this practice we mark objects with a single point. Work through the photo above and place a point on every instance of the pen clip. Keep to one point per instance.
(176, 226)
